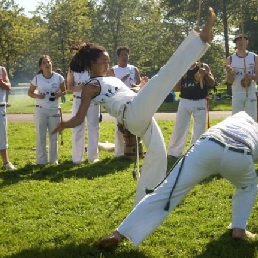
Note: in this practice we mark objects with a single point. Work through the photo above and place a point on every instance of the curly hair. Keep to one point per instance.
(86, 53)
(121, 48)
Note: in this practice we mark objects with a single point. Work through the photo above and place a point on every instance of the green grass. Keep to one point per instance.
(60, 211)
(22, 104)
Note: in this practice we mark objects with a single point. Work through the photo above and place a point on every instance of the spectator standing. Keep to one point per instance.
(76, 78)
(46, 87)
(242, 73)
(5, 87)
(130, 76)
(193, 87)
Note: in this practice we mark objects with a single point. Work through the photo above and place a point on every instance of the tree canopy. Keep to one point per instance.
(152, 29)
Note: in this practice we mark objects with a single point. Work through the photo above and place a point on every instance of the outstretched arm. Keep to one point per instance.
(88, 92)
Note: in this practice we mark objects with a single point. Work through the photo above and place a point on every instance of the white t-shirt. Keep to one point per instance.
(79, 78)
(120, 72)
(238, 65)
(113, 94)
(238, 130)
(47, 87)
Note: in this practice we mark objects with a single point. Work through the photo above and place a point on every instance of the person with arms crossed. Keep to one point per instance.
(130, 76)
(76, 78)
(124, 104)
(5, 86)
(46, 87)
(193, 87)
(242, 73)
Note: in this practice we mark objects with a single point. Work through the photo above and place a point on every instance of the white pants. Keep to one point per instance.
(138, 114)
(238, 168)
(186, 109)
(3, 129)
(119, 142)
(78, 133)
(46, 120)
(242, 103)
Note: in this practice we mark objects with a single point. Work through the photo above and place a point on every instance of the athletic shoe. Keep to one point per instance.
(9, 166)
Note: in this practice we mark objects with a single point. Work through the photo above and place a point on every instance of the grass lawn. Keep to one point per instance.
(60, 211)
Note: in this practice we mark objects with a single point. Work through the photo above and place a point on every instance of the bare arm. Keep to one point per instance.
(230, 74)
(137, 76)
(111, 72)
(88, 92)
(70, 82)
(4, 81)
(177, 87)
(208, 76)
(62, 91)
(32, 94)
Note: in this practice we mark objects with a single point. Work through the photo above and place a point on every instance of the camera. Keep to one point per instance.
(52, 98)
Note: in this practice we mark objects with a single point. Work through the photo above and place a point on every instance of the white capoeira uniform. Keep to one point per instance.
(137, 116)
(78, 132)
(228, 149)
(47, 117)
(3, 118)
(120, 72)
(192, 104)
(241, 102)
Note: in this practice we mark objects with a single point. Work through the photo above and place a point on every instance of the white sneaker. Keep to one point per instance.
(9, 166)
(94, 160)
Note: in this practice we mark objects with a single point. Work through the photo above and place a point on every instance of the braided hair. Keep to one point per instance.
(85, 55)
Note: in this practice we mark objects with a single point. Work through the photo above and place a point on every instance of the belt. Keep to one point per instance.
(194, 99)
(2, 105)
(248, 152)
(77, 97)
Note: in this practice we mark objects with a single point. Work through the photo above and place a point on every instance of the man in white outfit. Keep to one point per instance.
(229, 149)
(130, 76)
(123, 104)
(242, 73)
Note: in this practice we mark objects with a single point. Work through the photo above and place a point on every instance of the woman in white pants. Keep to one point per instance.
(135, 111)
(46, 87)
(75, 82)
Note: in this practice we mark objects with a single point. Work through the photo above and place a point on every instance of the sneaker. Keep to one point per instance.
(9, 166)
(94, 160)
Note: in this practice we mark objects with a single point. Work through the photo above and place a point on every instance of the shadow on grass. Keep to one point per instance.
(226, 247)
(85, 250)
(56, 173)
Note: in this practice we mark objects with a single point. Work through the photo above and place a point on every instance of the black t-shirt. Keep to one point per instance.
(190, 88)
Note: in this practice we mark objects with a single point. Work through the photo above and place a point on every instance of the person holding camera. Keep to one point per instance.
(46, 87)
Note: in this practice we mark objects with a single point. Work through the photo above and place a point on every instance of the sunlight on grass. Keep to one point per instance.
(60, 211)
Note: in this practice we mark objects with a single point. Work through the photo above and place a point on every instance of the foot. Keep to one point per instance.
(206, 34)
(9, 166)
(110, 241)
(239, 234)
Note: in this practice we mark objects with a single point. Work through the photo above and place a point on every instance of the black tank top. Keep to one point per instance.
(190, 88)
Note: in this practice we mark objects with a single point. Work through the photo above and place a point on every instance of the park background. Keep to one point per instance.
(60, 211)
